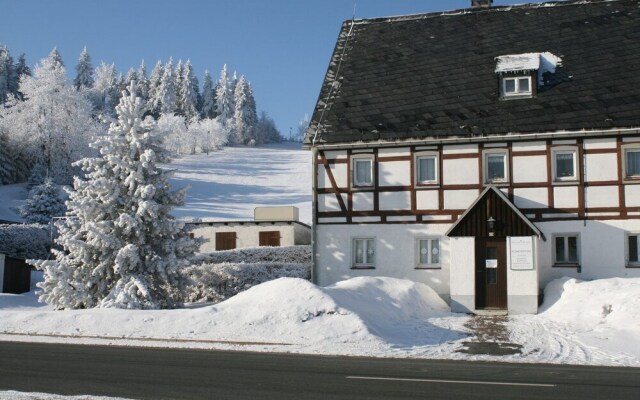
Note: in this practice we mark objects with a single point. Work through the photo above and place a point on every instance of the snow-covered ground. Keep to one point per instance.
(229, 184)
(13, 395)
(381, 317)
(226, 184)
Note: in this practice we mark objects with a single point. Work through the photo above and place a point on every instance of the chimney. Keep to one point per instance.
(481, 3)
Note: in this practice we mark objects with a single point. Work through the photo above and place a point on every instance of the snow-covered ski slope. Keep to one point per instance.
(228, 184)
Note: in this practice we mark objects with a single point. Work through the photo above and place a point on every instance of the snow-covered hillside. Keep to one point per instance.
(230, 183)
(226, 184)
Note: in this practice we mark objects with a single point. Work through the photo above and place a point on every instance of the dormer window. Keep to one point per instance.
(521, 75)
(516, 86)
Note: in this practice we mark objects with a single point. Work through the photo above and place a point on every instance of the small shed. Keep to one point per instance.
(271, 226)
(15, 275)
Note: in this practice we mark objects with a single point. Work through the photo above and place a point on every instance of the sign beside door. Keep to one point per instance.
(521, 253)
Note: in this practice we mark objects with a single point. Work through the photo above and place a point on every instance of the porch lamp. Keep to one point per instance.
(491, 226)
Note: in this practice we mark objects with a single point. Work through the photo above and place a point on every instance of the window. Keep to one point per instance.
(495, 167)
(362, 171)
(516, 86)
(225, 241)
(269, 238)
(427, 169)
(632, 163)
(428, 252)
(364, 253)
(633, 257)
(565, 165)
(566, 250)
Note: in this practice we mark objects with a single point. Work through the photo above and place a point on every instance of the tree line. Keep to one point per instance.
(48, 121)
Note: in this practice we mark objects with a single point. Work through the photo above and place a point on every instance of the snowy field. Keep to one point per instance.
(226, 184)
(229, 184)
(591, 323)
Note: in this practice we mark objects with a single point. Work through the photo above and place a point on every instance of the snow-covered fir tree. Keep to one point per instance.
(22, 71)
(7, 163)
(104, 94)
(8, 75)
(188, 93)
(208, 99)
(245, 115)
(224, 98)
(155, 99)
(84, 71)
(121, 245)
(43, 203)
(53, 126)
(56, 58)
(142, 82)
(167, 89)
(301, 129)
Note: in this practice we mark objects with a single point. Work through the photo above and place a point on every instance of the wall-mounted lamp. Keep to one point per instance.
(491, 226)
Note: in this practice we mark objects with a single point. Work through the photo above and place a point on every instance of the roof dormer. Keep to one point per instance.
(522, 75)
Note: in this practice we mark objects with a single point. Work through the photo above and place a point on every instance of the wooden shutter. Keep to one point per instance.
(270, 238)
(225, 240)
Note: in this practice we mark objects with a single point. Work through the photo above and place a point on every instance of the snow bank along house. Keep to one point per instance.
(483, 151)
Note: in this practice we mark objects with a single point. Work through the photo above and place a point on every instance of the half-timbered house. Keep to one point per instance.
(483, 151)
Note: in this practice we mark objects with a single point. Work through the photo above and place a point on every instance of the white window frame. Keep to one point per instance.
(565, 236)
(485, 166)
(436, 162)
(365, 265)
(628, 262)
(430, 264)
(635, 147)
(354, 160)
(554, 167)
(517, 92)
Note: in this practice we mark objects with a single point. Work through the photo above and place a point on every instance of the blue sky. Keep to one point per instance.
(282, 46)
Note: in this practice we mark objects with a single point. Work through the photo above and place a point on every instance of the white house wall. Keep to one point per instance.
(247, 235)
(460, 171)
(396, 253)
(463, 272)
(394, 173)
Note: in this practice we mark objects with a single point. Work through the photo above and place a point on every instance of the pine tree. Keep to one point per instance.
(22, 71)
(208, 103)
(155, 98)
(245, 115)
(224, 98)
(122, 247)
(7, 163)
(266, 129)
(167, 90)
(142, 82)
(177, 76)
(56, 58)
(84, 71)
(8, 76)
(104, 94)
(189, 93)
(43, 203)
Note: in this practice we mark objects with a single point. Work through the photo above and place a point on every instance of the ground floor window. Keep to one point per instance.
(225, 241)
(364, 252)
(633, 258)
(428, 252)
(566, 249)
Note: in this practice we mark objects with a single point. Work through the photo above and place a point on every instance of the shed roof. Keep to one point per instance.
(434, 75)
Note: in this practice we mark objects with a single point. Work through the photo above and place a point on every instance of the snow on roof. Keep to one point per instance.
(527, 62)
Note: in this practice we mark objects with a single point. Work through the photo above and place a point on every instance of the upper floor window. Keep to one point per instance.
(516, 86)
(565, 165)
(632, 162)
(495, 166)
(362, 170)
(426, 169)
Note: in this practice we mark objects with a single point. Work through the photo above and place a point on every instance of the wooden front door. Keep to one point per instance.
(270, 238)
(491, 273)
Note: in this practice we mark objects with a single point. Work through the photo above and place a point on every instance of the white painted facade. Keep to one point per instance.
(599, 205)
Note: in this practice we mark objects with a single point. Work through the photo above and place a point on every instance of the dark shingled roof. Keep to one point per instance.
(433, 75)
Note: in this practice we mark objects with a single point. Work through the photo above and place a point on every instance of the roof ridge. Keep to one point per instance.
(469, 10)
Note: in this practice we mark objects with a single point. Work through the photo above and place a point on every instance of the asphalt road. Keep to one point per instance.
(139, 373)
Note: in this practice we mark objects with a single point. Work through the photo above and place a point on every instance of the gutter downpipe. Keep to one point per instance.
(314, 225)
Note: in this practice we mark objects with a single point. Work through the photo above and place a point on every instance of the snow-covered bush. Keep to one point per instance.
(223, 274)
(26, 241)
(44, 202)
(173, 130)
(122, 247)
